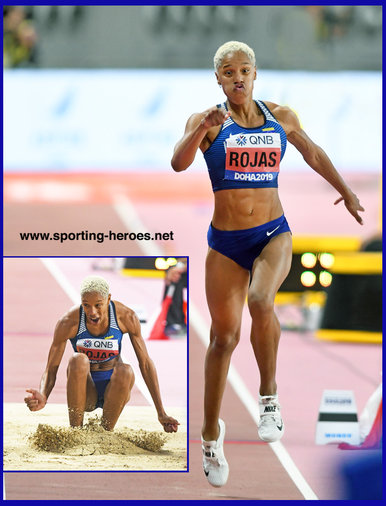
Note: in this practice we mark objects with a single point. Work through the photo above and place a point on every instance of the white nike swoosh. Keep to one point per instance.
(272, 231)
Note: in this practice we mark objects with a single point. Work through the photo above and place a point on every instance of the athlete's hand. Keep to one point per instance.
(215, 117)
(169, 423)
(353, 206)
(36, 400)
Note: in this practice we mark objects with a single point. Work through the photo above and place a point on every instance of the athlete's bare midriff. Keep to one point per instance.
(238, 209)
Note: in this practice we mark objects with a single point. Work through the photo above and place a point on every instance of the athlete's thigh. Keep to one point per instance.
(226, 289)
(91, 394)
(272, 266)
(123, 374)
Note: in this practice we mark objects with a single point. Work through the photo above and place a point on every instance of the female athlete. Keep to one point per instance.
(96, 374)
(250, 248)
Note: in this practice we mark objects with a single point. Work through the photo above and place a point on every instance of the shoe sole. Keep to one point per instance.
(271, 440)
(221, 441)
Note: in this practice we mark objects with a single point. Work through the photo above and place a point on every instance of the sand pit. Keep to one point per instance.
(44, 441)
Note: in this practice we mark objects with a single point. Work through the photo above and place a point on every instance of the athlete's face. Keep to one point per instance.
(236, 75)
(96, 307)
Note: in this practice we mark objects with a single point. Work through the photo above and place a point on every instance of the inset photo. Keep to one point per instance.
(100, 382)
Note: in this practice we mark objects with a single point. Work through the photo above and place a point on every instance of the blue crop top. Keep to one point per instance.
(242, 157)
(101, 348)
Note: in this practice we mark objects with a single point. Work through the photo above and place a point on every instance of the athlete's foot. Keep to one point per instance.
(270, 426)
(216, 467)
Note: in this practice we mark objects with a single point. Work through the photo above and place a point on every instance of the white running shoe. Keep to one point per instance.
(270, 427)
(216, 467)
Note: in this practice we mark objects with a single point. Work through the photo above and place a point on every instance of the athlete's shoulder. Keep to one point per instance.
(121, 309)
(284, 115)
(68, 324)
(126, 316)
(279, 111)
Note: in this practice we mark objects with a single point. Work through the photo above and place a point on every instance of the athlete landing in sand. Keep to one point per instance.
(96, 374)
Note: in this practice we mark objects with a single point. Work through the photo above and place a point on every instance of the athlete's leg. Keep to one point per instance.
(269, 271)
(117, 394)
(226, 289)
(81, 392)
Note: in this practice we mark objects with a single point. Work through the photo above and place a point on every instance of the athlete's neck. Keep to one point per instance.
(244, 114)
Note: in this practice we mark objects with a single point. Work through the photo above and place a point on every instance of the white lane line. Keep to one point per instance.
(74, 296)
(252, 407)
(196, 320)
(64, 283)
(128, 215)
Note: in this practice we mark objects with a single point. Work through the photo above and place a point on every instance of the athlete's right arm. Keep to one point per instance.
(195, 135)
(64, 330)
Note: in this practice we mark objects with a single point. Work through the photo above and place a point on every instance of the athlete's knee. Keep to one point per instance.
(123, 376)
(78, 364)
(225, 341)
(260, 304)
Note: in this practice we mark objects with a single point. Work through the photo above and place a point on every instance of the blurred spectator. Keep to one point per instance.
(176, 318)
(19, 37)
(337, 19)
(332, 21)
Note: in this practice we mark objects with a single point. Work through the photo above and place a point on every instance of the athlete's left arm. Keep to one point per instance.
(147, 367)
(317, 159)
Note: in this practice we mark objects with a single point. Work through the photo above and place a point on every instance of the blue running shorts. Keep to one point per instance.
(244, 246)
(101, 380)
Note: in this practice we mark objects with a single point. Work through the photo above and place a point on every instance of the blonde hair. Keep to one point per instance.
(95, 284)
(231, 47)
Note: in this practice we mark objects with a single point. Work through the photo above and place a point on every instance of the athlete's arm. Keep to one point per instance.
(132, 325)
(317, 159)
(63, 331)
(194, 137)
